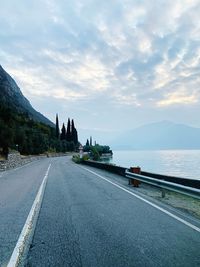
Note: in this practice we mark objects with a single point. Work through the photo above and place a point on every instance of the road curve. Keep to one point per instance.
(86, 221)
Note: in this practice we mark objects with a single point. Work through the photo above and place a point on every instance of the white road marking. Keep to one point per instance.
(29, 225)
(146, 201)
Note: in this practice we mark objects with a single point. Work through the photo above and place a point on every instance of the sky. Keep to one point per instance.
(110, 65)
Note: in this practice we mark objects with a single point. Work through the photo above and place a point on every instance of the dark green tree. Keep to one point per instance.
(68, 135)
(63, 145)
(6, 137)
(71, 146)
(21, 132)
(72, 131)
(74, 134)
(63, 133)
(75, 137)
(57, 127)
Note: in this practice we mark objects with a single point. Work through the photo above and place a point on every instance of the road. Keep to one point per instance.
(87, 221)
(18, 189)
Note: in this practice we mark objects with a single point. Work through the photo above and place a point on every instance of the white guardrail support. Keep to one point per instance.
(186, 190)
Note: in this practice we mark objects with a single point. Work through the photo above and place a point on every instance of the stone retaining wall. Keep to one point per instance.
(14, 160)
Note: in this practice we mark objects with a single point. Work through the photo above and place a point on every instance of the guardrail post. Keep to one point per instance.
(163, 192)
(135, 182)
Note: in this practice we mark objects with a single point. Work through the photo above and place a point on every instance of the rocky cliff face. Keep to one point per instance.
(11, 96)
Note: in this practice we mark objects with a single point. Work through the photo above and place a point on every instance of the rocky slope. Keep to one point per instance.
(12, 97)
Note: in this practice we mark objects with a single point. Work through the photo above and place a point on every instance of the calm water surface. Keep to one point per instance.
(181, 163)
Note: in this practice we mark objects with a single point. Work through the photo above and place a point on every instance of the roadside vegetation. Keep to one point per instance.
(19, 132)
(93, 152)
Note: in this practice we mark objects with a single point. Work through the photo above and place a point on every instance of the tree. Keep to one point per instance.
(63, 133)
(90, 140)
(20, 140)
(71, 146)
(21, 132)
(39, 142)
(94, 153)
(74, 133)
(68, 135)
(57, 127)
(86, 148)
(6, 137)
(75, 137)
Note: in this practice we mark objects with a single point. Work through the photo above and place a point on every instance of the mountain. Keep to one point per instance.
(161, 135)
(12, 97)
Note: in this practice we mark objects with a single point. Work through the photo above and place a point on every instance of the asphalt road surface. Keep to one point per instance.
(87, 221)
(18, 189)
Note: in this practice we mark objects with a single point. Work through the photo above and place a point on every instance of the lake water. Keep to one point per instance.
(180, 163)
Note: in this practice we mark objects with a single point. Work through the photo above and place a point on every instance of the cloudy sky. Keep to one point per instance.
(110, 64)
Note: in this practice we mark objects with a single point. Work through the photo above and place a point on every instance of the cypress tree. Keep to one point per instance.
(68, 135)
(76, 137)
(63, 133)
(90, 140)
(87, 143)
(57, 127)
(74, 134)
(73, 131)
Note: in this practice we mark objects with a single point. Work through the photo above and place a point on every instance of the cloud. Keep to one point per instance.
(180, 97)
(139, 54)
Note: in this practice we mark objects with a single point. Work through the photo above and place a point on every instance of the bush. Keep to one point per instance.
(85, 157)
(76, 158)
(95, 154)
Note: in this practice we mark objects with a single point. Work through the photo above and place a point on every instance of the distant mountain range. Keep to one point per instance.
(161, 135)
(12, 97)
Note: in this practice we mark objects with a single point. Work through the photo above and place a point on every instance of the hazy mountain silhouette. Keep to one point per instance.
(12, 97)
(161, 135)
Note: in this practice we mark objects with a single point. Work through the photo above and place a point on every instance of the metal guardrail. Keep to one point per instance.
(189, 191)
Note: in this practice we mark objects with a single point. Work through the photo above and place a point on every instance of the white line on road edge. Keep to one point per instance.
(29, 227)
(148, 202)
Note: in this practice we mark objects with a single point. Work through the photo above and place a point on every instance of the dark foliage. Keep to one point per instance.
(74, 134)
(63, 133)
(87, 143)
(23, 128)
(57, 127)
(96, 151)
(18, 131)
(68, 135)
